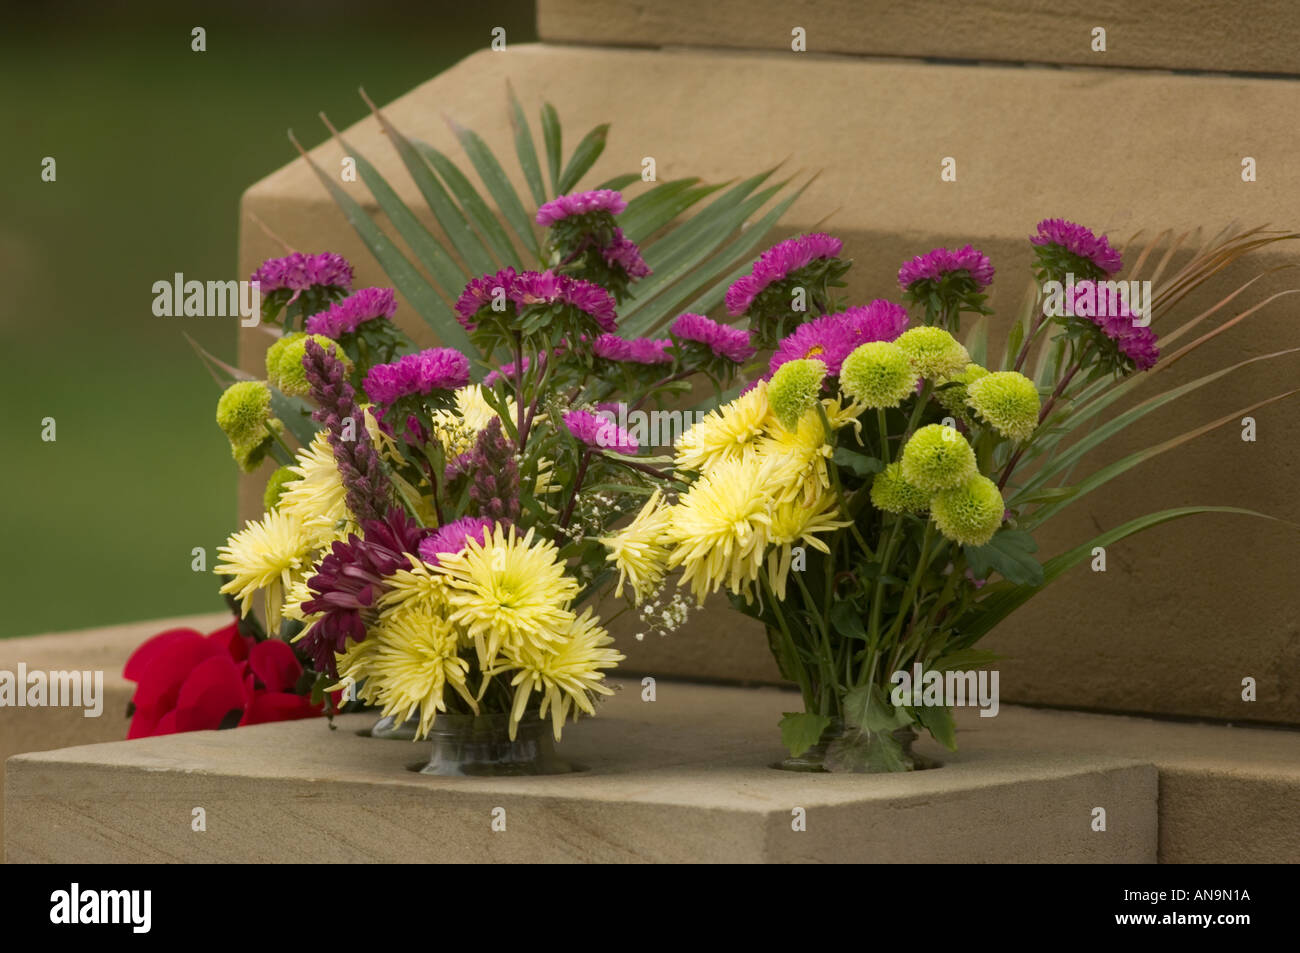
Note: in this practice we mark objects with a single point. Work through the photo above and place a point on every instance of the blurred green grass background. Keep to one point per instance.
(154, 144)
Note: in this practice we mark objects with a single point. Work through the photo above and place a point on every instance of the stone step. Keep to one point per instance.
(96, 650)
(686, 778)
(1259, 38)
(1029, 144)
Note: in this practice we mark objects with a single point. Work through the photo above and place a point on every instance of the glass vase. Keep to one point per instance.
(480, 746)
(853, 752)
(389, 729)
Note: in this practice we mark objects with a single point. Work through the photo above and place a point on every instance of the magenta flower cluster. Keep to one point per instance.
(624, 253)
(580, 203)
(600, 432)
(724, 341)
(298, 272)
(344, 317)
(437, 368)
(833, 337)
(776, 264)
(1105, 308)
(532, 288)
(935, 264)
(452, 537)
(1080, 241)
(611, 347)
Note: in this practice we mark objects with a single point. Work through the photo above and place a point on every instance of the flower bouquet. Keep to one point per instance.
(872, 498)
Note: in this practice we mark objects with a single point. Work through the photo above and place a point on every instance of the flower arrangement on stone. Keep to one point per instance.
(872, 497)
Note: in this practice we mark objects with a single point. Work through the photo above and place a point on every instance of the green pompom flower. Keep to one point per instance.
(275, 354)
(951, 395)
(937, 458)
(243, 411)
(1007, 401)
(275, 487)
(969, 514)
(250, 453)
(933, 352)
(893, 494)
(289, 374)
(794, 389)
(878, 374)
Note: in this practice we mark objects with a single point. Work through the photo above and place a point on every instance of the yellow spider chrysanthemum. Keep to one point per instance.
(567, 673)
(725, 434)
(318, 497)
(268, 554)
(640, 550)
(419, 588)
(412, 660)
(719, 527)
(795, 524)
(296, 595)
(511, 591)
(457, 429)
(797, 459)
(384, 443)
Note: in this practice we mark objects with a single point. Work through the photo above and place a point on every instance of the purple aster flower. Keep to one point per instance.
(478, 294)
(724, 341)
(1080, 242)
(546, 287)
(344, 317)
(580, 203)
(1103, 306)
(880, 320)
(833, 337)
(452, 537)
(624, 253)
(637, 351)
(599, 431)
(776, 264)
(437, 368)
(298, 272)
(935, 264)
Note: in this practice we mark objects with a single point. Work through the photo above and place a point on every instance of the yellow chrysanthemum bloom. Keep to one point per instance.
(567, 673)
(794, 524)
(796, 460)
(719, 527)
(296, 595)
(267, 555)
(725, 434)
(458, 428)
(318, 497)
(419, 588)
(511, 591)
(640, 550)
(408, 668)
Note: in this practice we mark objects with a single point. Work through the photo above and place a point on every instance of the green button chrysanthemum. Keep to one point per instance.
(893, 494)
(951, 393)
(937, 458)
(878, 374)
(275, 487)
(250, 453)
(1007, 401)
(794, 388)
(933, 352)
(243, 410)
(275, 353)
(288, 373)
(969, 514)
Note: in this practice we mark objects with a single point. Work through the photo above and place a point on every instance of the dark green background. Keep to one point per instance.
(154, 145)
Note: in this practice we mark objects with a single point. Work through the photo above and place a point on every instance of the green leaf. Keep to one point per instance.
(865, 708)
(858, 463)
(525, 149)
(295, 414)
(938, 721)
(472, 204)
(551, 136)
(498, 186)
(977, 340)
(406, 278)
(620, 182)
(961, 660)
(652, 210)
(1008, 553)
(801, 730)
(846, 617)
(583, 158)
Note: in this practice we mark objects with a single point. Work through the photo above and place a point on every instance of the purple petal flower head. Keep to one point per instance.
(776, 264)
(344, 317)
(580, 203)
(451, 538)
(833, 337)
(624, 253)
(350, 581)
(599, 431)
(936, 264)
(611, 347)
(298, 272)
(724, 341)
(1080, 242)
(479, 294)
(532, 288)
(1103, 306)
(437, 368)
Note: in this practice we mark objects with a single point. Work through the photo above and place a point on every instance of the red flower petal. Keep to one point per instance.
(168, 668)
(279, 706)
(212, 692)
(274, 663)
(234, 644)
(148, 650)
